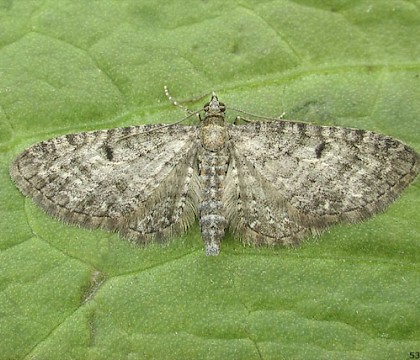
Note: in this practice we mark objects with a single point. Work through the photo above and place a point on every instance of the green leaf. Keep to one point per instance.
(71, 293)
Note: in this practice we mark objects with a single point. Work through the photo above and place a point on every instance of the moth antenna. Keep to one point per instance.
(240, 118)
(175, 102)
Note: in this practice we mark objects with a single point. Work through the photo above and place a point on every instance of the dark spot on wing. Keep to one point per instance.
(109, 152)
(319, 148)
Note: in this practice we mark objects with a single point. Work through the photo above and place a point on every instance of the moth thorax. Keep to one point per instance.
(213, 136)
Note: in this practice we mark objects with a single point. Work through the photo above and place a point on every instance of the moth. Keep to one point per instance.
(269, 182)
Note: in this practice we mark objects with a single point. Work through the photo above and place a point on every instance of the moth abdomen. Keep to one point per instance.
(212, 168)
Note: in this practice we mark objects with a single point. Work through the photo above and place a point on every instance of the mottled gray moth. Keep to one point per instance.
(268, 182)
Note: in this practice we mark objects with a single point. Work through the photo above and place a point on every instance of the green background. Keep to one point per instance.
(71, 293)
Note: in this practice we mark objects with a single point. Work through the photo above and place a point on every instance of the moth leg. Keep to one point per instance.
(239, 118)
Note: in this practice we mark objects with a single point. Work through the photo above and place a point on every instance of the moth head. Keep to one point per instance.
(214, 106)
